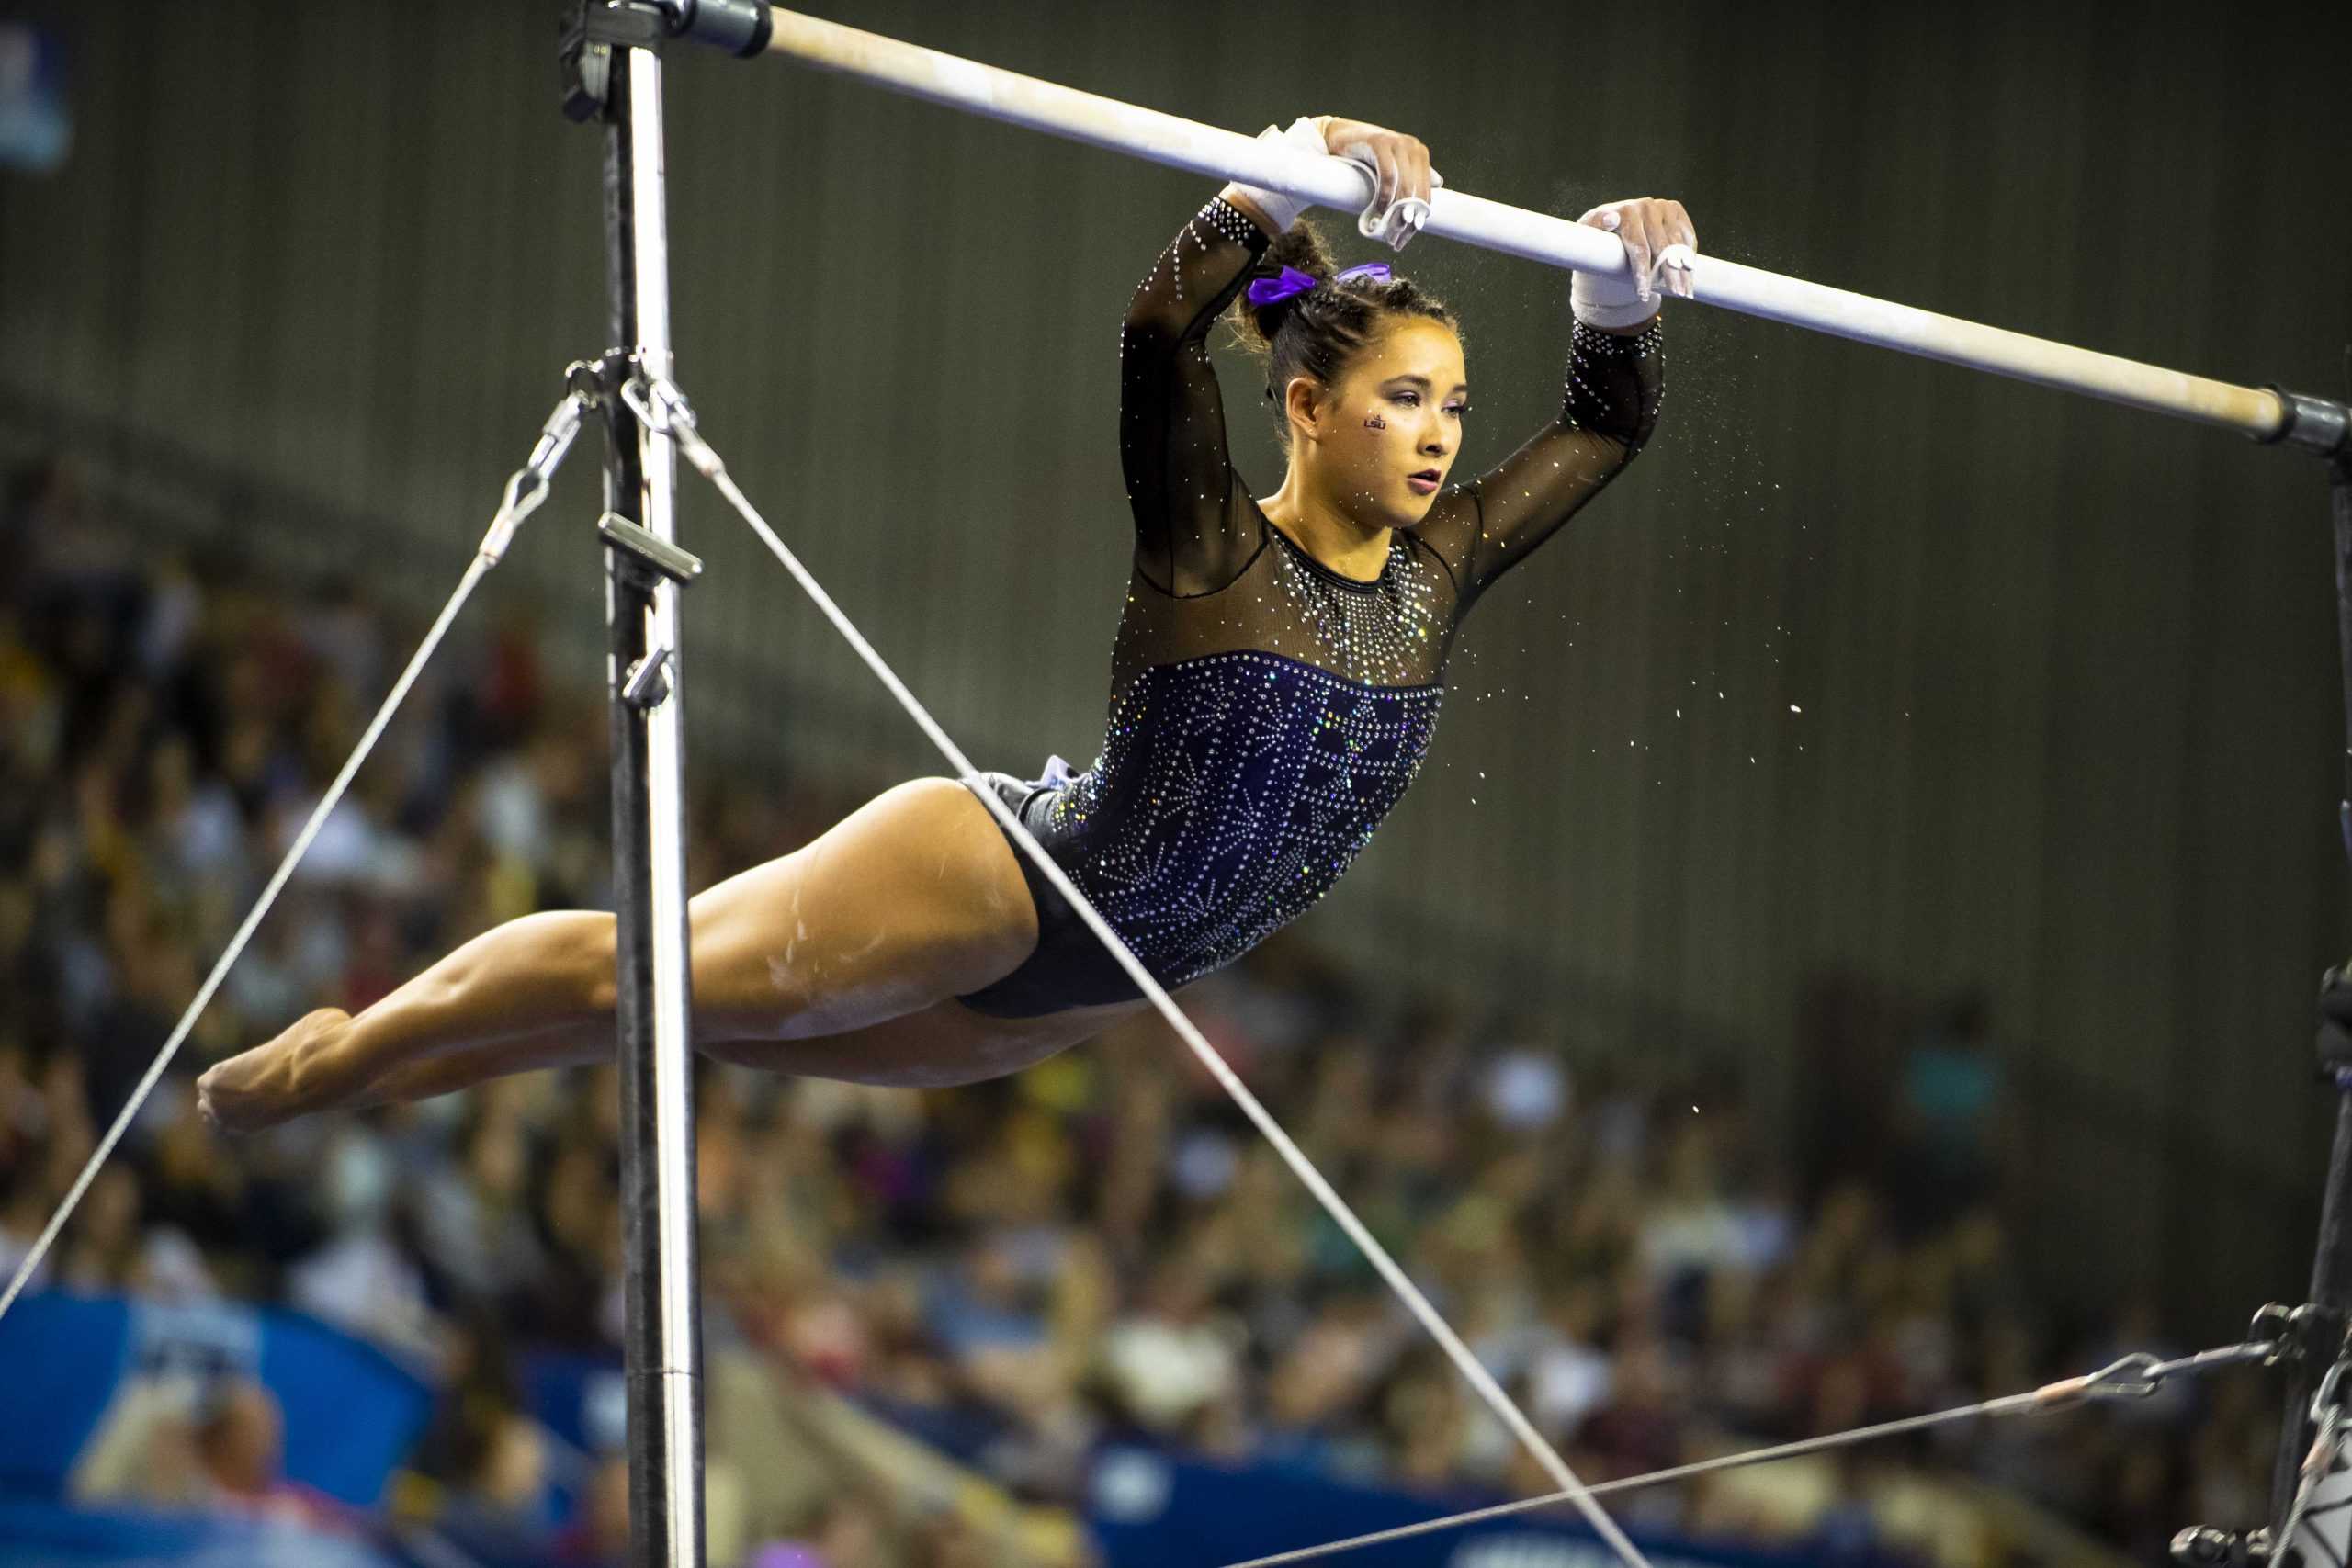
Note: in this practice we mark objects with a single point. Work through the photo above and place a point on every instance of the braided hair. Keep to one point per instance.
(1318, 331)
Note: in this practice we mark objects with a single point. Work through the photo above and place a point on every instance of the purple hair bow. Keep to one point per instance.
(1267, 290)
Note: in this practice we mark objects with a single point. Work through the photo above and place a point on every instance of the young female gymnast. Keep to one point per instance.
(1275, 680)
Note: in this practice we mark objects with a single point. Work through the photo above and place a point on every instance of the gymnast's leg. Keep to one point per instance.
(908, 901)
(943, 1045)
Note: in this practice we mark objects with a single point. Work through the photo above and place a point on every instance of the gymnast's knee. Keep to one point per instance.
(760, 1053)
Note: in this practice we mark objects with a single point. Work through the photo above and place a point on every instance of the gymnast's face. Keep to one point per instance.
(1387, 438)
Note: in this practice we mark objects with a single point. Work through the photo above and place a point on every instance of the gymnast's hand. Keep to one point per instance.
(1659, 241)
(1401, 177)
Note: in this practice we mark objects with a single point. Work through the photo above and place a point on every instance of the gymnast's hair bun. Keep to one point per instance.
(1301, 246)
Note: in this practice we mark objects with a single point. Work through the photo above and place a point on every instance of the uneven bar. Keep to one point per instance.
(1181, 143)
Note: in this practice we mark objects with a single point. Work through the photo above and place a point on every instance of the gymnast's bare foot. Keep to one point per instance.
(262, 1086)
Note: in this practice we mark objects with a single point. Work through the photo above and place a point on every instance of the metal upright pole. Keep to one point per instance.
(665, 1334)
(612, 74)
(2330, 1308)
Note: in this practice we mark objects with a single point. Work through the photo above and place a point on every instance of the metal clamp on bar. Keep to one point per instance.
(591, 28)
(681, 567)
(2314, 424)
(741, 28)
(594, 28)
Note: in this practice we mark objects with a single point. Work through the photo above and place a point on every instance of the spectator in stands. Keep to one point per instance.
(597, 1535)
(501, 1510)
(238, 1454)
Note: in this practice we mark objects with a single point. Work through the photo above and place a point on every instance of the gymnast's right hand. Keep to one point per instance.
(1399, 166)
(1402, 178)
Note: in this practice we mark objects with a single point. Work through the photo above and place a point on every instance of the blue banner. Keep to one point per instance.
(351, 1414)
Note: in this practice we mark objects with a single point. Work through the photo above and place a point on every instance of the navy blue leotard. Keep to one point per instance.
(1267, 711)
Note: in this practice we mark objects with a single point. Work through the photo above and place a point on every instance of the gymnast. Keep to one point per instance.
(1275, 680)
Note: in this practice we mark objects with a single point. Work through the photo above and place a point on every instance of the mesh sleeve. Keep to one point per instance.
(1190, 533)
(1485, 527)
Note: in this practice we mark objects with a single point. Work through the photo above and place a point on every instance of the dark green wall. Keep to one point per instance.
(2069, 723)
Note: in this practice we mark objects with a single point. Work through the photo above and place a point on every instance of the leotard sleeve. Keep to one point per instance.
(1194, 532)
(1483, 528)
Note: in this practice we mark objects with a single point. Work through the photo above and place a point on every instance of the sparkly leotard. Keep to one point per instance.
(1267, 711)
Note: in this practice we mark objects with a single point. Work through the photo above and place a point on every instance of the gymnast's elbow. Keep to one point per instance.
(1614, 445)
(1634, 434)
(1147, 338)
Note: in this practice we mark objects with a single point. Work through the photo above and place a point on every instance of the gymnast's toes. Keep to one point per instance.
(262, 1086)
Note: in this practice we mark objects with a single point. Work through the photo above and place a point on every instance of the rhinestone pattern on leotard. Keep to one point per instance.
(1261, 779)
(1233, 788)
(1266, 778)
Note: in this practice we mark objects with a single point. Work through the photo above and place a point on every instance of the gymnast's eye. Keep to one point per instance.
(1458, 410)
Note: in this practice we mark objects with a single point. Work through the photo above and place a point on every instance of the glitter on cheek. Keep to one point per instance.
(1376, 422)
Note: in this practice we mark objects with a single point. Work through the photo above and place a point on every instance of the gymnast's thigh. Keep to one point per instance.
(912, 898)
(935, 1047)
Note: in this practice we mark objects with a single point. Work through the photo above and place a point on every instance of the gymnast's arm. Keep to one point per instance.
(1614, 381)
(1191, 537)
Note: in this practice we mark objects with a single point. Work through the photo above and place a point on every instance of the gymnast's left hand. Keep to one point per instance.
(1660, 241)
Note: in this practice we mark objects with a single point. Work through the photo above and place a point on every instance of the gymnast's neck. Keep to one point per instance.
(1330, 536)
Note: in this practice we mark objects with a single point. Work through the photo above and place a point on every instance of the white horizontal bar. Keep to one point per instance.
(1557, 242)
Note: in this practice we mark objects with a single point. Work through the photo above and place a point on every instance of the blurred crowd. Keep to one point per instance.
(1098, 1247)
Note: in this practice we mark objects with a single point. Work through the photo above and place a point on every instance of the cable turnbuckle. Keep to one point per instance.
(527, 486)
(2139, 1375)
(2115, 1381)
